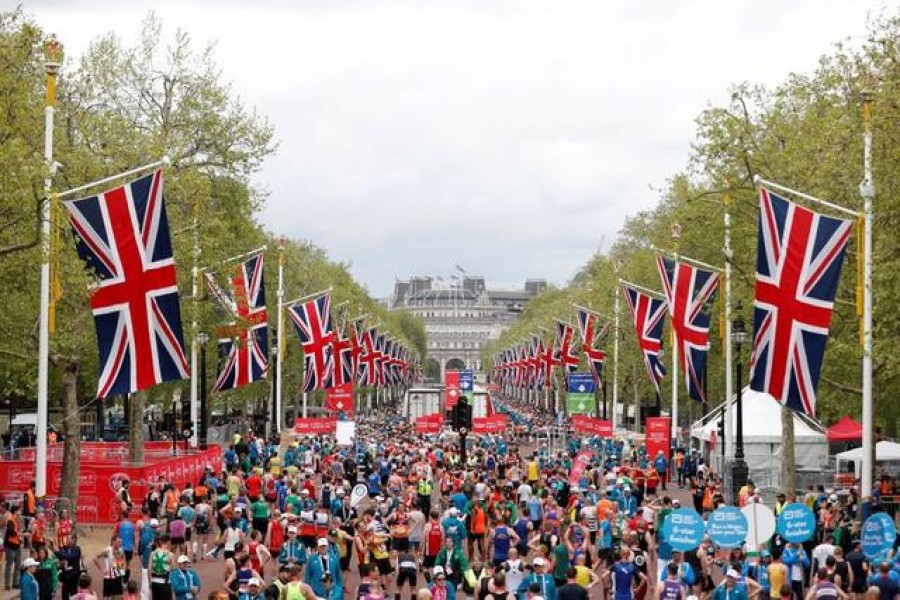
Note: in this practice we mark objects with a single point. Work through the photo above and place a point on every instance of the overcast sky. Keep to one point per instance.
(510, 137)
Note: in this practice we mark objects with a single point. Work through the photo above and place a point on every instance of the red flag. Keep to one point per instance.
(451, 383)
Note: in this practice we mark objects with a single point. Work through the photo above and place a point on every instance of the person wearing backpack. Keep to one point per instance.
(161, 563)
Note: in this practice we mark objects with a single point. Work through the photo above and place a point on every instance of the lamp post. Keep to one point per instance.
(202, 339)
(739, 469)
(276, 425)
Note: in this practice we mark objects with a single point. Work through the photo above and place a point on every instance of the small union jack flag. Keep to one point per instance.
(689, 292)
(649, 316)
(565, 352)
(590, 339)
(798, 265)
(123, 236)
(312, 319)
(243, 347)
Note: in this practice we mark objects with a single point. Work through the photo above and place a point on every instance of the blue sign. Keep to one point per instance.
(796, 523)
(581, 383)
(727, 527)
(683, 529)
(466, 383)
(878, 535)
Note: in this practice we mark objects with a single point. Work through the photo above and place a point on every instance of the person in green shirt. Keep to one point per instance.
(560, 562)
(259, 513)
(293, 501)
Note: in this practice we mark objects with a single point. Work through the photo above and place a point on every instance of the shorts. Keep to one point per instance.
(203, 528)
(406, 576)
(129, 554)
(400, 544)
(384, 566)
(429, 561)
(177, 541)
(476, 536)
(415, 544)
(187, 534)
(308, 540)
(112, 587)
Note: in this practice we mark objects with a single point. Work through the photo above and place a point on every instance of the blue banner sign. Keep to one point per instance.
(683, 529)
(727, 527)
(796, 523)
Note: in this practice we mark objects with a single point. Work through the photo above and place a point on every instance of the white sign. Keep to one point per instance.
(358, 492)
(760, 525)
(345, 433)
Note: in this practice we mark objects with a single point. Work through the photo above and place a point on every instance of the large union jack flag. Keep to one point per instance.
(798, 265)
(123, 236)
(243, 346)
(565, 351)
(689, 292)
(649, 316)
(366, 372)
(591, 336)
(312, 319)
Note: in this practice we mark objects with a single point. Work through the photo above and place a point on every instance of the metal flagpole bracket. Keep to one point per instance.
(687, 259)
(123, 175)
(306, 297)
(760, 182)
(641, 288)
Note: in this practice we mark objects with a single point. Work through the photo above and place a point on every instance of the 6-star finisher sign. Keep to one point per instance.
(581, 388)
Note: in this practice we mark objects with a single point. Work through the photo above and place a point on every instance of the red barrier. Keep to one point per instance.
(592, 425)
(315, 425)
(430, 423)
(492, 424)
(99, 481)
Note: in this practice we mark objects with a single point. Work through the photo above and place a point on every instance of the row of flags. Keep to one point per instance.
(799, 257)
(123, 237)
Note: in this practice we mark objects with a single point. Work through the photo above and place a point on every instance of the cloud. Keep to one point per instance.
(507, 136)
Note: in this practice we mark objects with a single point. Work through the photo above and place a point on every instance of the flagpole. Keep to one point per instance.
(674, 386)
(729, 385)
(195, 273)
(867, 191)
(306, 297)
(280, 337)
(117, 176)
(615, 390)
(641, 288)
(52, 61)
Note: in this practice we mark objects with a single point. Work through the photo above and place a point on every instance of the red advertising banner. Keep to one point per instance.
(659, 436)
(579, 466)
(592, 425)
(315, 425)
(492, 424)
(339, 399)
(99, 482)
(451, 385)
(430, 423)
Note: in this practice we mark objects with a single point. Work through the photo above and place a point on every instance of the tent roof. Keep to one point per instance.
(845, 430)
(884, 451)
(762, 421)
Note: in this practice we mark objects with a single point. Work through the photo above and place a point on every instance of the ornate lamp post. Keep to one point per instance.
(739, 469)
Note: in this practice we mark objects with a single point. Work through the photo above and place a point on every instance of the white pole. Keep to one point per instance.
(279, 338)
(615, 386)
(53, 58)
(674, 387)
(195, 420)
(867, 191)
(729, 385)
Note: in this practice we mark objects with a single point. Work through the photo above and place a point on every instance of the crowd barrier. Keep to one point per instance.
(103, 469)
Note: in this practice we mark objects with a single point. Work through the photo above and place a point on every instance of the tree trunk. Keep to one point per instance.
(72, 431)
(788, 466)
(136, 427)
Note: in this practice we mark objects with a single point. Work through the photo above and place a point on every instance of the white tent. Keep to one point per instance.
(762, 433)
(885, 452)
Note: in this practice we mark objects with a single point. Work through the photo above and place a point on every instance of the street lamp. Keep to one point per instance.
(202, 339)
(739, 470)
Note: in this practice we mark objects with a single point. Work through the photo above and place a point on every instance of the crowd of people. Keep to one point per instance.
(404, 515)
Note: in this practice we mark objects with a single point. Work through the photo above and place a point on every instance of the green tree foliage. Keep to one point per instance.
(805, 133)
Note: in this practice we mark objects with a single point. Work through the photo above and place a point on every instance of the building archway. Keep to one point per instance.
(455, 364)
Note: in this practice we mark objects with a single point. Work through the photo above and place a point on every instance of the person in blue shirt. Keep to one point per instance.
(795, 556)
(455, 528)
(759, 571)
(324, 560)
(685, 571)
(622, 575)
(460, 501)
(126, 532)
(29, 589)
(184, 580)
(373, 483)
(661, 465)
(628, 503)
(729, 588)
(540, 579)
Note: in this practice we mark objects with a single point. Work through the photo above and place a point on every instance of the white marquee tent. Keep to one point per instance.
(885, 452)
(762, 433)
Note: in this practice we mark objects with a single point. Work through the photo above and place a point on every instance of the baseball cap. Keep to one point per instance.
(733, 574)
(438, 570)
(154, 523)
(304, 491)
(183, 559)
(538, 562)
(254, 581)
(341, 492)
(322, 542)
(292, 530)
(30, 562)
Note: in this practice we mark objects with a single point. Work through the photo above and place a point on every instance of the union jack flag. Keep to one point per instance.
(380, 358)
(123, 236)
(548, 362)
(521, 366)
(689, 292)
(590, 337)
(798, 265)
(342, 354)
(366, 374)
(312, 319)
(243, 346)
(649, 316)
(565, 353)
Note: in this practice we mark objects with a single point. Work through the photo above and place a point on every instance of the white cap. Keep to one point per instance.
(322, 542)
(254, 581)
(154, 523)
(183, 559)
(453, 512)
(538, 562)
(292, 530)
(732, 573)
(30, 562)
(439, 570)
(304, 491)
(340, 491)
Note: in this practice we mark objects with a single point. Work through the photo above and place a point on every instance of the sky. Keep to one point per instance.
(510, 137)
